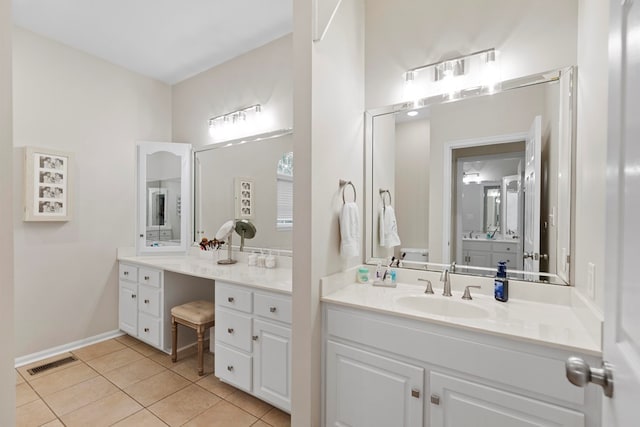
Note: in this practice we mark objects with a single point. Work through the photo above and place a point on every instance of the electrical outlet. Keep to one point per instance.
(591, 280)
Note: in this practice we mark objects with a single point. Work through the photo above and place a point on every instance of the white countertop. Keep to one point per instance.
(555, 325)
(272, 279)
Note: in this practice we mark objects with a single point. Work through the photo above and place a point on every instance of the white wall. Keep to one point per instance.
(66, 273)
(531, 35)
(328, 145)
(383, 176)
(591, 152)
(7, 373)
(263, 75)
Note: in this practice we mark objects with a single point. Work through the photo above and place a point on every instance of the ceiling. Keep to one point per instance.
(169, 40)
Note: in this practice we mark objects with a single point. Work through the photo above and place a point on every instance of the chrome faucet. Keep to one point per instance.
(447, 282)
(429, 289)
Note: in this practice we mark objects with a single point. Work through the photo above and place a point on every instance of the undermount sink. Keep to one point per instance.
(429, 304)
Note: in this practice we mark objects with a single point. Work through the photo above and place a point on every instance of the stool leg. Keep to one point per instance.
(200, 350)
(174, 339)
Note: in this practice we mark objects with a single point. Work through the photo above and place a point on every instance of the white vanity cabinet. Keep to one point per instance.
(253, 342)
(487, 253)
(383, 370)
(145, 302)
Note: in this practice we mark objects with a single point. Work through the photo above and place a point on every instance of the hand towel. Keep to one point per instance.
(349, 230)
(388, 228)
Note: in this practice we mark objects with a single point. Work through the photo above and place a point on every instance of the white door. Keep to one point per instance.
(532, 197)
(622, 287)
(272, 363)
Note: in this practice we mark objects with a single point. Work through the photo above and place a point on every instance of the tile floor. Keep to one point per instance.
(124, 382)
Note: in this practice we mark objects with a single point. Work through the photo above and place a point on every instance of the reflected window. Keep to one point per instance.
(284, 202)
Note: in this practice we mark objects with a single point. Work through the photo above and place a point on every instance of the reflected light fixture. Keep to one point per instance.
(412, 113)
(471, 177)
(231, 125)
(475, 73)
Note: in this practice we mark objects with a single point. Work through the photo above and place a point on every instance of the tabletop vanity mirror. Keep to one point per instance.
(248, 180)
(478, 179)
(164, 192)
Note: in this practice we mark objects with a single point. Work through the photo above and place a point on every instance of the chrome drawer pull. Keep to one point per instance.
(146, 329)
(133, 295)
(146, 277)
(146, 301)
(230, 368)
(255, 338)
(126, 273)
(231, 299)
(272, 309)
(230, 330)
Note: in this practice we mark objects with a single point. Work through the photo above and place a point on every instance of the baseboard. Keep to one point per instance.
(34, 357)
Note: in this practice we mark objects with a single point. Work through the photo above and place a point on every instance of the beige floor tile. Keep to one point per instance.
(114, 360)
(60, 380)
(214, 385)
(184, 405)
(19, 379)
(144, 349)
(79, 395)
(100, 349)
(249, 403)
(157, 387)
(134, 372)
(128, 340)
(188, 366)
(260, 423)
(223, 414)
(25, 394)
(277, 418)
(54, 423)
(35, 413)
(27, 376)
(142, 418)
(162, 358)
(103, 412)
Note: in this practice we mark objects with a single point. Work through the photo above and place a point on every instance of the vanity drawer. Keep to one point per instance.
(128, 273)
(476, 245)
(505, 247)
(233, 329)
(233, 367)
(233, 297)
(165, 235)
(149, 277)
(149, 300)
(149, 329)
(273, 307)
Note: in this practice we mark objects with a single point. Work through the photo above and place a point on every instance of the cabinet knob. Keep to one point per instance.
(273, 309)
(255, 338)
(146, 301)
(126, 273)
(435, 399)
(230, 368)
(415, 393)
(146, 277)
(231, 299)
(134, 296)
(146, 329)
(230, 330)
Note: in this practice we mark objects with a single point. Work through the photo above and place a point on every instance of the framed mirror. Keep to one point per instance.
(164, 184)
(247, 179)
(477, 180)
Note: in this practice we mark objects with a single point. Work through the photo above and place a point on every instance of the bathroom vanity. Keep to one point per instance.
(395, 356)
(252, 334)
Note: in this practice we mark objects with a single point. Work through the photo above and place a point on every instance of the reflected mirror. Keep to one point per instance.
(266, 166)
(477, 180)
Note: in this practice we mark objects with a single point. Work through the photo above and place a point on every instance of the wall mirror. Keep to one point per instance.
(477, 180)
(164, 185)
(265, 165)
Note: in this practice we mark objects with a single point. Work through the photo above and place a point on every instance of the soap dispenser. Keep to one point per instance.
(501, 283)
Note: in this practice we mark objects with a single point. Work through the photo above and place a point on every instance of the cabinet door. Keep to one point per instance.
(128, 308)
(456, 402)
(479, 258)
(272, 363)
(364, 389)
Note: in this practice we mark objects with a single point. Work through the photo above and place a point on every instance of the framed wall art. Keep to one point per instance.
(47, 185)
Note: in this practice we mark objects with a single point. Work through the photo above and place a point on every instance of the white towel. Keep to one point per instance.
(349, 230)
(388, 228)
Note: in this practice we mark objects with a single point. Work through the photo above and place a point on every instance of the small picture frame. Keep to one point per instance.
(47, 185)
(244, 198)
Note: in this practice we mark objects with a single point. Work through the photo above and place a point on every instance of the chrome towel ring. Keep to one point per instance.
(382, 194)
(343, 184)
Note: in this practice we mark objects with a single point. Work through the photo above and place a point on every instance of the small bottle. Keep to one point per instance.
(363, 275)
(270, 261)
(501, 283)
(394, 276)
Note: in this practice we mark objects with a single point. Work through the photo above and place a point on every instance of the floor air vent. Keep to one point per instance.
(51, 365)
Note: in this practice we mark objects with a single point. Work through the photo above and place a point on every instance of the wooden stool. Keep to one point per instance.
(198, 315)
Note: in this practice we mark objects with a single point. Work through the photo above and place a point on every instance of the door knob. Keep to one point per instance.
(526, 255)
(579, 373)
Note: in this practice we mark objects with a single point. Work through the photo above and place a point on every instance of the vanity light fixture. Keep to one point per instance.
(226, 126)
(476, 72)
(412, 113)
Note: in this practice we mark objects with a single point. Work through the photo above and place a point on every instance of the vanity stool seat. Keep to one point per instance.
(198, 315)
